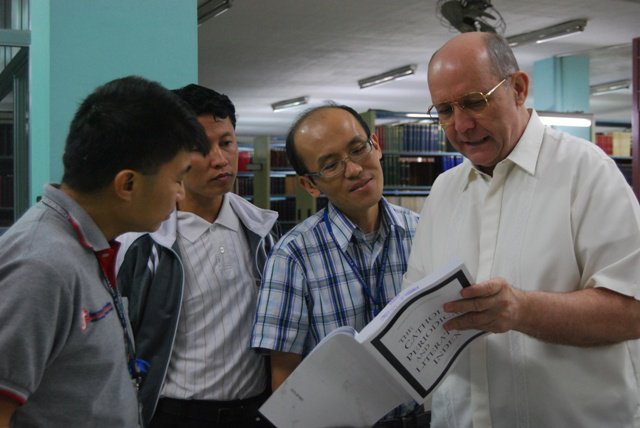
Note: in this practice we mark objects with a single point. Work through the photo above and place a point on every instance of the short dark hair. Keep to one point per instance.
(127, 123)
(503, 61)
(294, 159)
(207, 101)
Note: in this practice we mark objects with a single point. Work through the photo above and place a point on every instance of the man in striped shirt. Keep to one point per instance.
(342, 265)
(192, 288)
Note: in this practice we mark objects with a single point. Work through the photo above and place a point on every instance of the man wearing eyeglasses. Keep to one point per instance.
(342, 265)
(551, 231)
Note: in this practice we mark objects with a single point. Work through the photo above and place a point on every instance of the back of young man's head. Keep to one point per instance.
(128, 123)
(207, 101)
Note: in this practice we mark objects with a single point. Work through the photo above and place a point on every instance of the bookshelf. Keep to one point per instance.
(414, 153)
(615, 139)
(266, 178)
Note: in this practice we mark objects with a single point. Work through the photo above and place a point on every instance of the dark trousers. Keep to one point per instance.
(172, 413)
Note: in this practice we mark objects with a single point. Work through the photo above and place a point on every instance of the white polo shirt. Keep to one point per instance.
(211, 359)
(556, 216)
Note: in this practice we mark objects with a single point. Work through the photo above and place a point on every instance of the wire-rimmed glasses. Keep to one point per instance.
(335, 167)
(473, 102)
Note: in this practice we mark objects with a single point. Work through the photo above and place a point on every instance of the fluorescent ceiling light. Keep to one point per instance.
(290, 103)
(549, 33)
(395, 74)
(212, 8)
(578, 120)
(616, 85)
(417, 115)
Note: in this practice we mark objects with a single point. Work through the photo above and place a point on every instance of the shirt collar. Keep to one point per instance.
(524, 154)
(87, 230)
(192, 226)
(343, 228)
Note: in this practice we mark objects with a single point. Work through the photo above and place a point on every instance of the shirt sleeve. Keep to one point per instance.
(33, 322)
(282, 320)
(605, 220)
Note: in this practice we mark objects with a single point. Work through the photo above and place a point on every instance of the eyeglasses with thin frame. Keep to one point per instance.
(335, 167)
(473, 102)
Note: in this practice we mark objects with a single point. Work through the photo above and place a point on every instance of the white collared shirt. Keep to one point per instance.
(556, 216)
(211, 358)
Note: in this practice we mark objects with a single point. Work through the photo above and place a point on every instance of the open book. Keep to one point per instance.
(354, 379)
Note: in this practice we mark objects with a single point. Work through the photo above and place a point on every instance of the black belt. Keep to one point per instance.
(417, 420)
(213, 411)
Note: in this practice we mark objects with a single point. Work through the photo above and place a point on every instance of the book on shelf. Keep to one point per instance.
(245, 157)
(354, 378)
(411, 137)
(278, 158)
(616, 143)
(621, 143)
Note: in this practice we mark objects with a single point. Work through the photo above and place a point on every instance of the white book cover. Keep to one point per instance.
(354, 379)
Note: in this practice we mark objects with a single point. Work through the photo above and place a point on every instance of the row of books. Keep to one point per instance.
(244, 186)
(283, 185)
(279, 158)
(416, 171)
(411, 137)
(617, 143)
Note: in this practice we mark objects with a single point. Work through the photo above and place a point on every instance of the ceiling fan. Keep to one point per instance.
(470, 15)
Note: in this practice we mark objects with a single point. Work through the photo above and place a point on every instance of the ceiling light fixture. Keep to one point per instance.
(579, 120)
(290, 103)
(616, 85)
(549, 33)
(211, 9)
(395, 74)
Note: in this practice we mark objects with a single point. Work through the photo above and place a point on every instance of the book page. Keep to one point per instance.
(339, 384)
(408, 337)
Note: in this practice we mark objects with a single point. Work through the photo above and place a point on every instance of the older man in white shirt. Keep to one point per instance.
(551, 231)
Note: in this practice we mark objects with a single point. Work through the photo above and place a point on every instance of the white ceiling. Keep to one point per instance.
(263, 51)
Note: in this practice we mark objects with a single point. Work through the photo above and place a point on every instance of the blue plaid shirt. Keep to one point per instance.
(309, 288)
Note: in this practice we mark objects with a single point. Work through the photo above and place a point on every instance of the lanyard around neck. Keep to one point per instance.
(136, 367)
(375, 304)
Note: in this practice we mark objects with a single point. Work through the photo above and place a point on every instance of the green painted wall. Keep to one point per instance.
(77, 45)
(561, 84)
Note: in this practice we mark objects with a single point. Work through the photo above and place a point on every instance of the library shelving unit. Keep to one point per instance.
(414, 152)
(266, 178)
(615, 139)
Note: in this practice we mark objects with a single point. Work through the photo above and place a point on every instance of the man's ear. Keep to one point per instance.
(124, 184)
(309, 186)
(521, 86)
(376, 144)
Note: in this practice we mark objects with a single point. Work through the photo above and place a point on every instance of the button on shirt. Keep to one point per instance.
(556, 216)
(211, 358)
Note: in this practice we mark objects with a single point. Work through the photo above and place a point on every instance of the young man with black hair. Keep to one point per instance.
(67, 355)
(192, 289)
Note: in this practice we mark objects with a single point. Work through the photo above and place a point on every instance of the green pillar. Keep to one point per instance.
(561, 84)
(77, 45)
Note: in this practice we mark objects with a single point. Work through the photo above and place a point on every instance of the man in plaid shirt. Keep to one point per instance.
(342, 265)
